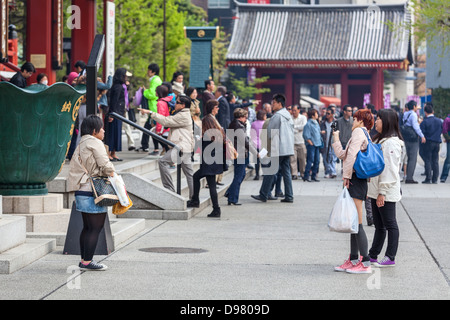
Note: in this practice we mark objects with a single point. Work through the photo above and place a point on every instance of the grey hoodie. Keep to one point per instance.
(281, 133)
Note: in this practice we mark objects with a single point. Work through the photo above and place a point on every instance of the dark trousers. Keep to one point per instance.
(385, 222)
(258, 164)
(411, 150)
(270, 180)
(145, 137)
(211, 180)
(431, 159)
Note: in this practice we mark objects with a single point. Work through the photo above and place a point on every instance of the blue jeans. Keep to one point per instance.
(312, 161)
(330, 164)
(239, 175)
(269, 180)
(446, 167)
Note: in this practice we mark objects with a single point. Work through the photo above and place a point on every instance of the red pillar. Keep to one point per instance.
(288, 87)
(377, 86)
(84, 33)
(258, 96)
(344, 88)
(39, 38)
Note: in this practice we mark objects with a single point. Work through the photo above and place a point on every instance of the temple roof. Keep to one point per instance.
(319, 33)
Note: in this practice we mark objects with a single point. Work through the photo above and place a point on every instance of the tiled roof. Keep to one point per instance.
(318, 33)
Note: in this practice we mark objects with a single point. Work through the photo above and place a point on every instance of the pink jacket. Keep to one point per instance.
(163, 109)
(357, 142)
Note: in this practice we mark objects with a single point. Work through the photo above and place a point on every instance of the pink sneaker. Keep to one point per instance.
(360, 268)
(347, 265)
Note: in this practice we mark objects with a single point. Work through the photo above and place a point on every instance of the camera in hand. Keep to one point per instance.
(334, 126)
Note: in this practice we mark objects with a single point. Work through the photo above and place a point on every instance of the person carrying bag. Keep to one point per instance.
(90, 159)
(357, 189)
(344, 216)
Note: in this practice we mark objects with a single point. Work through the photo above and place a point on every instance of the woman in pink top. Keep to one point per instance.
(359, 260)
(255, 134)
(162, 107)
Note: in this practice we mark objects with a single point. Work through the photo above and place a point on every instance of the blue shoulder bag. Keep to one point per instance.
(369, 163)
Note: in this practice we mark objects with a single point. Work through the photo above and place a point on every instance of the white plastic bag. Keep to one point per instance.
(344, 216)
(119, 187)
(443, 151)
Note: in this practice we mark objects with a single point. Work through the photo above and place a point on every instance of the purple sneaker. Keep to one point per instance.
(385, 262)
(373, 261)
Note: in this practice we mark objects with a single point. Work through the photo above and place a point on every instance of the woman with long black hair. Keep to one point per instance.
(213, 158)
(384, 190)
(116, 104)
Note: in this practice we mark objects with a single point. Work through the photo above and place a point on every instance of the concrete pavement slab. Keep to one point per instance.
(257, 251)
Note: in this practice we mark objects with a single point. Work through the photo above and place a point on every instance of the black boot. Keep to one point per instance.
(215, 213)
(193, 204)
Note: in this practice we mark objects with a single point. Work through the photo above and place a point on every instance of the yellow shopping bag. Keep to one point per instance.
(119, 209)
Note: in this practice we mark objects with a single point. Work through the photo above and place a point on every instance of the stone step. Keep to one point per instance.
(48, 222)
(24, 254)
(12, 231)
(51, 202)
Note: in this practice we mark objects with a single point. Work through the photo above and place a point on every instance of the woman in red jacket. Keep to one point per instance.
(162, 107)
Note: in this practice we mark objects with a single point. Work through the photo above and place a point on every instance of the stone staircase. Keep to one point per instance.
(16, 249)
(152, 201)
(36, 225)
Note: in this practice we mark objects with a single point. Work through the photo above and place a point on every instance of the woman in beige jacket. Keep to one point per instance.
(91, 156)
(357, 188)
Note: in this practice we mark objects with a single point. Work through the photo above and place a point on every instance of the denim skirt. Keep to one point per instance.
(84, 202)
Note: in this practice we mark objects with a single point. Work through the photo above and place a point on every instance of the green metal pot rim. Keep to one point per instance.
(39, 88)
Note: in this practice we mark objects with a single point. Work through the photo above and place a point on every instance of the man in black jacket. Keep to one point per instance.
(223, 116)
(431, 128)
(20, 78)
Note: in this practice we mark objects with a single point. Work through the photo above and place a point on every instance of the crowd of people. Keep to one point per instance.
(281, 142)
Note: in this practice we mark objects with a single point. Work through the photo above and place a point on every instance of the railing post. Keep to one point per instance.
(179, 172)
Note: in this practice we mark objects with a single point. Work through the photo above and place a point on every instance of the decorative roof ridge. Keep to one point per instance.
(318, 7)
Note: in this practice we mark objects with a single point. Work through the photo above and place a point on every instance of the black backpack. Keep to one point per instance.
(408, 132)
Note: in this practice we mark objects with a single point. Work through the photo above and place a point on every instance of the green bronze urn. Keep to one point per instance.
(36, 127)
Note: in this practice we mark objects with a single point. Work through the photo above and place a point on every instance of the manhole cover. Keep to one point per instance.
(172, 250)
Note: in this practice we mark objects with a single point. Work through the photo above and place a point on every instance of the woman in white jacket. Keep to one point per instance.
(384, 190)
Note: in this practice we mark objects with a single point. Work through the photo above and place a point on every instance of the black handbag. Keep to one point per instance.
(104, 193)
(103, 190)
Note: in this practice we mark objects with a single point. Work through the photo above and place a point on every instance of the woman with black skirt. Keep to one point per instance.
(359, 260)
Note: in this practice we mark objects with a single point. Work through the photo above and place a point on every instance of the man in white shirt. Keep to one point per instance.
(299, 143)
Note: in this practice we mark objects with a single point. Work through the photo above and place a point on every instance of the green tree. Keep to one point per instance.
(430, 22)
(139, 36)
(245, 89)
(441, 98)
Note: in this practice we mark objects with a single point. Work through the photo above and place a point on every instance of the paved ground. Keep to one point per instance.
(257, 251)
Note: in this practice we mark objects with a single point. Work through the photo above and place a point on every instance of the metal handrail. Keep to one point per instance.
(158, 138)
